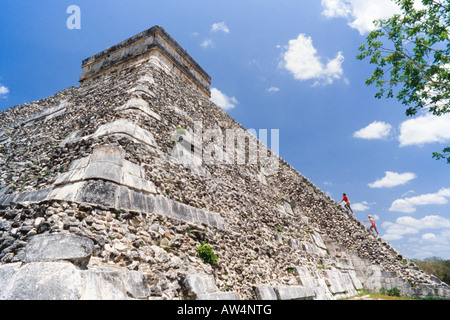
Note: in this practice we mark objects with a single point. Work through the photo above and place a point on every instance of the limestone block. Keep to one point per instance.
(200, 215)
(373, 281)
(45, 281)
(47, 114)
(58, 247)
(32, 196)
(295, 243)
(7, 273)
(218, 296)
(111, 154)
(142, 89)
(5, 225)
(147, 79)
(137, 183)
(98, 192)
(321, 288)
(99, 170)
(64, 281)
(220, 221)
(334, 282)
(144, 136)
(357, 284)
(127, 127)
(162, 206)
(293, 292)
(133, 169)
(136, 284)
(134, 103)
(315, 283)
(312, 248)
(102, 284)
(265, 292)
(201, 286)
(318, 240)
(71, 176)
(137, 201)
(133, 176)
(181, 211)
(199, 283)
(67, 192)
(304, 277)
(324, 296)
(347, 283)
(108, 283)
(107, 163)
(81, 163)
(74, 137)
(123, 198)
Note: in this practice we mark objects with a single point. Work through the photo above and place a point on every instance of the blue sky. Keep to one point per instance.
(286, 65)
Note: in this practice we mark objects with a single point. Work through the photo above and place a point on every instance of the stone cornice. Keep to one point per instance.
(144, 46)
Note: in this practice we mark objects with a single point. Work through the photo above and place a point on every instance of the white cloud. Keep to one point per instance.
(207, 43)
(392, 179)
(220, 26)
(425, 129)
(402, 205)
(375, 130)
(3, 91)
(302, 60)
(408, 225)
(429, 237)
(336, 8)
(408, 205)
(216, 27)
(273, 89)
(408, 193)
(363, 206)
(360, 13)
(222, 100)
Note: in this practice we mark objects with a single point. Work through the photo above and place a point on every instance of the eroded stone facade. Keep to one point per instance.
(101, 161)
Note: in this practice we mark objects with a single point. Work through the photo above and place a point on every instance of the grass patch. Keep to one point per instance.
(379, 296)
(385, 295)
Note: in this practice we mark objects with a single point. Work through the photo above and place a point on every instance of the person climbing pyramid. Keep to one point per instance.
(373, 225)
(347, 203)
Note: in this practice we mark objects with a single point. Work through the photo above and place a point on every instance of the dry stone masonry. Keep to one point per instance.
(104, 195)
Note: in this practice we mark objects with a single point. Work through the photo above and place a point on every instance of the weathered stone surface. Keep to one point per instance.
(203, 287)
(218, 296)
(152, 44)
(293, 292)
(59, 247)
(44, 281)
(116, 160)
(265, 292)
(64, 281)
(55, 268)
(106, 283)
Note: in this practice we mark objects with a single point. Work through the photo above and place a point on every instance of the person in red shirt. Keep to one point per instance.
(347, 203)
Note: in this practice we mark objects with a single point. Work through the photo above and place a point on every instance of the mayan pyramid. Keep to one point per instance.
(109, 189)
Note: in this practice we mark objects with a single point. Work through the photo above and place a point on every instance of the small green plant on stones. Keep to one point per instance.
(206, 252)
(394, 292)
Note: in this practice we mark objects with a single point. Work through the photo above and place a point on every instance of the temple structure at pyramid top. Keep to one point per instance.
(155, 45)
